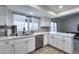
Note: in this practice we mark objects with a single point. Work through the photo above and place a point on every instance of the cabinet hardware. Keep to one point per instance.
(12, 45)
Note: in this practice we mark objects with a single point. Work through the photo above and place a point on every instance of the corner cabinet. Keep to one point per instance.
(64, 43)
(53, 40)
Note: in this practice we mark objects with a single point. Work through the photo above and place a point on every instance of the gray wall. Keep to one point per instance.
(67, 23)
(70, 23)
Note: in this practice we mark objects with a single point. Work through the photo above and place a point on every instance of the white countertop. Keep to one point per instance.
(12, 37)
(37, 33)
(64, 34)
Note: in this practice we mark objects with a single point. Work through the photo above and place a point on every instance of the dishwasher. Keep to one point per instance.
(39, 41)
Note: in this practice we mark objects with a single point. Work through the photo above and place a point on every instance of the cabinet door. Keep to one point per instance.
(46, 39)
(20, 47)
(7, 49)
(53, 40)
(31, 44)
(45, 22)
(68, 44)
(60, 42)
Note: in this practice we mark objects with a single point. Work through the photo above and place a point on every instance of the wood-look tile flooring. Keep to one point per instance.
(47, 50)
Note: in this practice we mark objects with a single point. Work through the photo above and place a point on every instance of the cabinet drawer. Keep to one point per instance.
(60, 37)
(21, 39)
(6, 43)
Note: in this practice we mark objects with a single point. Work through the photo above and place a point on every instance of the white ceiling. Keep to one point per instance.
(56, 9)
(26, 9)
(44, 10)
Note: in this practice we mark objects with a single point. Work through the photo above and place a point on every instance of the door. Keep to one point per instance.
(53, 40)
(39, 41)
(7, 49)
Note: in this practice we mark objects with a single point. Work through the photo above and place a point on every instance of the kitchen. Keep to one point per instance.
(27, 29)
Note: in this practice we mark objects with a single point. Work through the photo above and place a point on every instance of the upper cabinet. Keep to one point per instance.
(45, 22)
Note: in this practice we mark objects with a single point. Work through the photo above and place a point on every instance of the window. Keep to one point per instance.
(21, 21)
(33, 24)
(53, 27)
(26, 23)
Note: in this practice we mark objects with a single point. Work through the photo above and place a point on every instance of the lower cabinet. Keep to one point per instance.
(20, 47)
(7, 50)
(53, 40)
(24, 45)
(6, 47)
(61, 42)
(65, 43)
(68, 45)
(31, 44)
(46, 36)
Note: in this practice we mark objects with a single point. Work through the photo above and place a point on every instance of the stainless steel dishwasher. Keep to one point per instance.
(39, 41)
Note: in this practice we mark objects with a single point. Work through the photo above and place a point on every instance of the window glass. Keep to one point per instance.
(19, 20)
(53, 27)
(33, 24)
(29, 23)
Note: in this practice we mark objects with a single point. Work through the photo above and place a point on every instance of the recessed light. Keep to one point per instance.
(60, 6)
(31, 13)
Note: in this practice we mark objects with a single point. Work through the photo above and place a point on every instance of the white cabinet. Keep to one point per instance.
(45, 22)
(6, 47)
(24, 45)
(68, 44)
(20, 46)
(46, 37)
(64, 43)
(53, 40)
(60, 42)
(31, 44)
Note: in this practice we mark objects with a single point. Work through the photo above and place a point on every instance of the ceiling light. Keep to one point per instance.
(60, 6)
(31, 13)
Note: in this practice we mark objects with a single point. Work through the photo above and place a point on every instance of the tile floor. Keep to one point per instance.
(47, 50)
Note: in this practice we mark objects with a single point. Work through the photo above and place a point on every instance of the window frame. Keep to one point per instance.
(28, 20)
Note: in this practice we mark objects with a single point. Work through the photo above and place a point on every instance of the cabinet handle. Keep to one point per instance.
(12, 45)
